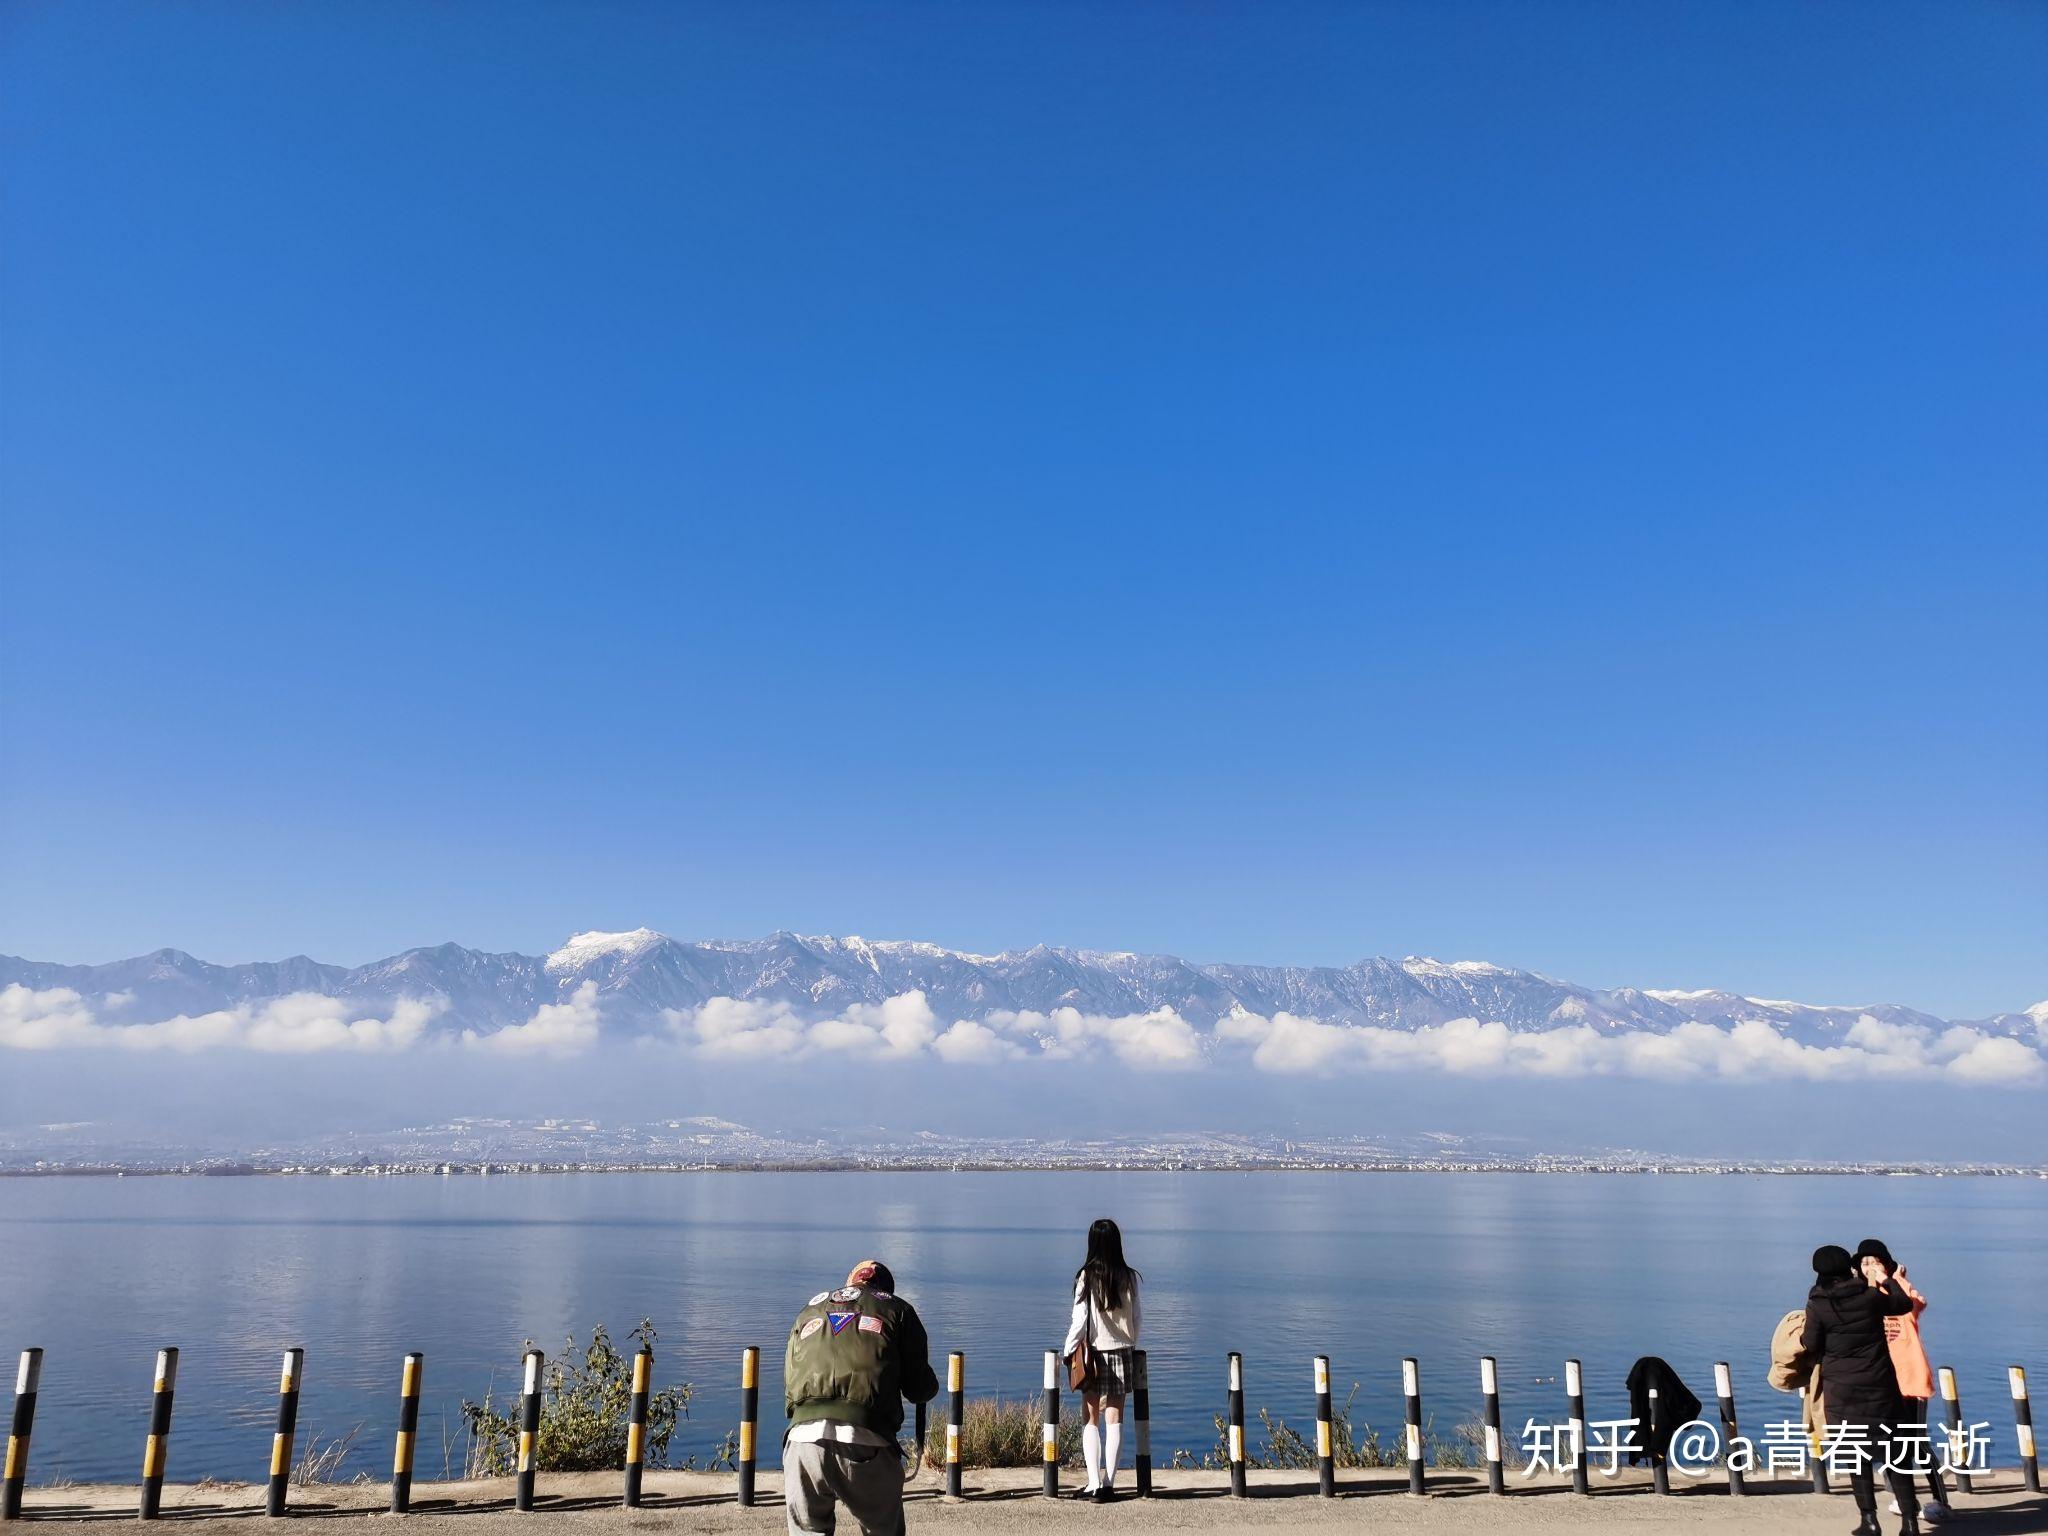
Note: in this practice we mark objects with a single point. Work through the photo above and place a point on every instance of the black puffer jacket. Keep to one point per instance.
(1845, 1333)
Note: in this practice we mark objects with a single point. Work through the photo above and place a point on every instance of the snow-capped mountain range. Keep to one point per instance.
(639, 978)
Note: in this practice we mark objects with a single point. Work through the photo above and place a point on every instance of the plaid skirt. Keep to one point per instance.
(1116, 1372)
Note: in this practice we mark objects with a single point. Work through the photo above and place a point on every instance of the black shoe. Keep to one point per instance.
(1102, 1495)
(1868, 1525)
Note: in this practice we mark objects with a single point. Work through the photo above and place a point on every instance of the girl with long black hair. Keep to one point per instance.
(1105, 1313)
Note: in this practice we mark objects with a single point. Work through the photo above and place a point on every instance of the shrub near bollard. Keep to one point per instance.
(27, 1382)
(287, 1430)
(408, 1432)
(156, 1449)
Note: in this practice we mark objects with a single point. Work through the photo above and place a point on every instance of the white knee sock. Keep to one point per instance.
(1091, 1452)
(1112, 1442)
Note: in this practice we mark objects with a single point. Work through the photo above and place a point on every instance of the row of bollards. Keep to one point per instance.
(156, 1449)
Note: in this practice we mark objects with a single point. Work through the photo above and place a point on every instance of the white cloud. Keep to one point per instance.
(966, 1043)
(556, 1029)
(59, 1019)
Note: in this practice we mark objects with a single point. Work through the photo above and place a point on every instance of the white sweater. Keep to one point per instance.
(1115, 1327)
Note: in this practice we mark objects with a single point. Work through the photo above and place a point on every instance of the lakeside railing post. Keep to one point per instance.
(408, 1432)
(287, 1429)
(636, 1426)
(1238, 1489)
(529, 1431)
(1411, 1390)
(1958, 1443)
(1326, 1450)
(1724, 1392)
(1575, 1405)
(1489, 1390)
(1141, 1411)
(156, 1449)
(27, 1382)
(956, 1412)
(1816, 1463)
(2023, 1427)
(1052, 1424)
(750, 1420)
(1660, 1473)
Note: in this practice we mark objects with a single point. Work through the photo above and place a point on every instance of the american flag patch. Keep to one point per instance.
(870, 1325)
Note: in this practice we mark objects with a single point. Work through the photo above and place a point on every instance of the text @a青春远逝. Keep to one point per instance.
(1698, 1447)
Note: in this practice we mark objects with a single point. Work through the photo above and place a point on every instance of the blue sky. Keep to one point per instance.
(1555, 483)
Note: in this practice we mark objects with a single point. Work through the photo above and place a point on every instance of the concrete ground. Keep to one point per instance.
(586, 1504)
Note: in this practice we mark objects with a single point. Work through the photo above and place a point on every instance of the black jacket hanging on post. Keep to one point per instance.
(1676, 1407)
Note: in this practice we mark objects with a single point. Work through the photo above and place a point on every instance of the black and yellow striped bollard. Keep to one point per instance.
(1575, 1404)
(287, 1430)
(408, 1432)
(529, 1430)
(27, 1382)
(1724, 1393)
(956, 1409)
(2023, 1426)
(1958, 1440)
(636, 1425)
(1141, 1414)
(157, 1448)
(1411, 1393)
(1235, 1447)
(1051, 1486)
(750, 1416)
(1326, 1450)
(1489, 1392)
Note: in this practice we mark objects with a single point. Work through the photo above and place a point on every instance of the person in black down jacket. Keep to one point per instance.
(1845, 1316)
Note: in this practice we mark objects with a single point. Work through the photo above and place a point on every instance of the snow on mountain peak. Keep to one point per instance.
(583, 948)
(1422, 965)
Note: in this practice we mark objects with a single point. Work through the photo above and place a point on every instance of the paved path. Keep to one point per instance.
(586, 1504)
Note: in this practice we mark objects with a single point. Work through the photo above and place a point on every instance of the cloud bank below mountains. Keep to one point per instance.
(764, 1034)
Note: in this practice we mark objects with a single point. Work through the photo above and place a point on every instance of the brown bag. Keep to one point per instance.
(1081, 1363)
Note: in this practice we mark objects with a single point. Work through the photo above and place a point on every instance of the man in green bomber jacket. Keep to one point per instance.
(854, 1354)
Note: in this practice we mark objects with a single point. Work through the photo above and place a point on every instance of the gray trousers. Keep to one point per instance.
(818, 1477)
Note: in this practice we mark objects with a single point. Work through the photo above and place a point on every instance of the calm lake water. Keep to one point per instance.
(1364, 1267)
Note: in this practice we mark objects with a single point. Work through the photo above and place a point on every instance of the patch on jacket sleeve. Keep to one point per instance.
(839, 1320)
(844, 1293)
(814, 1327)
(870, 1324)
(819, 1300)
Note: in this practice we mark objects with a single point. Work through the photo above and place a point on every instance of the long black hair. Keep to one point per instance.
(1110, 1280)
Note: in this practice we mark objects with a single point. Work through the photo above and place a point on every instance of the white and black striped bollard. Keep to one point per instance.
(750, 1421)
(27, 1382)
(956, 1413)
(156, 1449)
(1326, 1450)
(1958, 1441)
(1660, 1470)
(1575, 1404)
(1052, 1424)
(1141, 1413)
(1235, 1448)
(408, 1432)
(636, 1426)
(2023, 1427)
(1489, 1390)
(1411, 1391)
(287, 1431)
(529, 1431)
(1724, 1392)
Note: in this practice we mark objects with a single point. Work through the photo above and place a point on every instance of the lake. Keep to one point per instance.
(1531, 1268)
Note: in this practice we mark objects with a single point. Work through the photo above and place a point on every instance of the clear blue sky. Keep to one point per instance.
(1557, 483)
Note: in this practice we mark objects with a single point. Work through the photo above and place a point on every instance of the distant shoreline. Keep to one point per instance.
(528, 1168)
